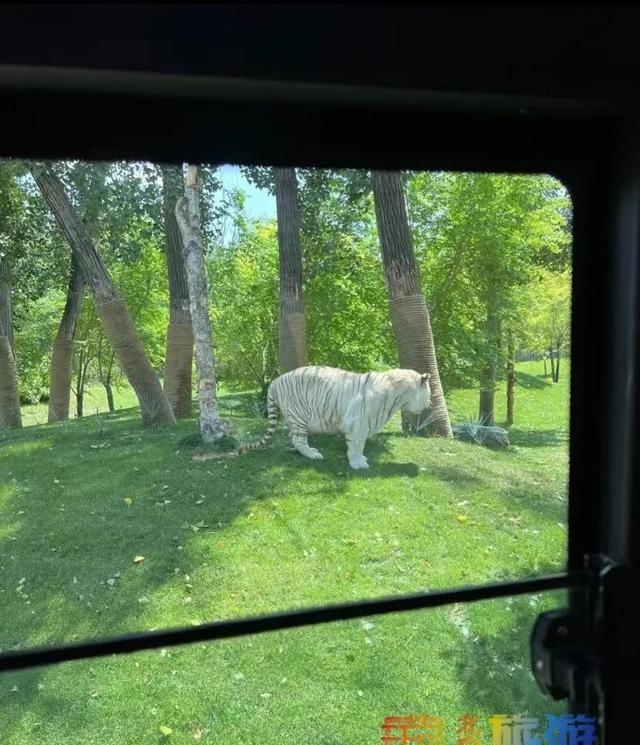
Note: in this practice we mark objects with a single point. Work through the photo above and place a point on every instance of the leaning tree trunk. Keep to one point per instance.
(10, 414)
(111, 308)
(188, 217)
(179, 353)
(292, 350)
(62, 355)
(409, 314)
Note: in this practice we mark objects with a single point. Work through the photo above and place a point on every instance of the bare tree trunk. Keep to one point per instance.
(409, 314)
(110, 401)
(6, 314)
(62, 356)
(188, 217)
(112, 310)
(553, 365)
(488, 375)
(106, 381)
(292, 345)
(10, 414)
(511, 377)
(83, 365)
(557, 375)
(179, 353)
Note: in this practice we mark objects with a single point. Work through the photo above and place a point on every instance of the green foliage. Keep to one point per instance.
(244, 286)
(33, 341)
(481, 238)
(143, 285)
(548, 312)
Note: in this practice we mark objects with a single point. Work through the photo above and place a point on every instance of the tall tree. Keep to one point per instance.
(188, 218)
(112, 310)
(62, 355)
(179, 354)
(409, 313)
(292, 327)
(10, 415)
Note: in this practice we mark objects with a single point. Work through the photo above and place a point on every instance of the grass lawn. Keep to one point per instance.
(82, 502)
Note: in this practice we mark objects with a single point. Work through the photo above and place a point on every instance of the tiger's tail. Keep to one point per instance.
(272, 416)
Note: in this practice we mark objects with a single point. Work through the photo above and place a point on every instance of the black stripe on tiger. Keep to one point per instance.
(272, 417)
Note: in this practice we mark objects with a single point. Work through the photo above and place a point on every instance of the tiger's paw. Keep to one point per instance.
(359, 462)
(314, 454)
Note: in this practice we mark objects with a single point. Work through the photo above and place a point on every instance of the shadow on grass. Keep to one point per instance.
(536, 438)
(538, 382)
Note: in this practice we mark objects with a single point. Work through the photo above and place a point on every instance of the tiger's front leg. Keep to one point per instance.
(355, 448)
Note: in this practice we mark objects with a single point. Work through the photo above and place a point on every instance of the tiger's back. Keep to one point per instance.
(315, 397)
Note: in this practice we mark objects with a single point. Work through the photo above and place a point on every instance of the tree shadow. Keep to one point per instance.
(535, 438)
(537, 382)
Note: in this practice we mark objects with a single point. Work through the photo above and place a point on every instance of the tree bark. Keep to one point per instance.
(62, 355)
(10, 414)
(486, 407)
(6, 314)
(188, 217)
(553, 365)
(409, 313)
(111, 309)
(511, 378)
(110, 401)
(179, 352)
(557, 375)
(292, 346)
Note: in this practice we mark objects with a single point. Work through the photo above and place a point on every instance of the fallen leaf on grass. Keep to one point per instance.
(138, 559)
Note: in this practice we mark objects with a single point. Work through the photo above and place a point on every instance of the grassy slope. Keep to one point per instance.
(80, 501)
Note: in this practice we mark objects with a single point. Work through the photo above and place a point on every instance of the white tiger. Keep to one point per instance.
(330, 400)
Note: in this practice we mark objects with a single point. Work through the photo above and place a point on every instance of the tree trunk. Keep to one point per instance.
(557, 375)
(292, 349)
(62, 355)
(409, 314)
(544, 360)
(188, 217)
(511, 377)
(488, 375)
(80, 380)
(111, 309)
(110, 401)
(10, 414)
(179, 352)
(553, 365)
(6, 314)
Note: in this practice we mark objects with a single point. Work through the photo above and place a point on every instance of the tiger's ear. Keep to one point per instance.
(424, 379)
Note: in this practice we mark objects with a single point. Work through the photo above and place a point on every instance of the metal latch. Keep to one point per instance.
(567, 650)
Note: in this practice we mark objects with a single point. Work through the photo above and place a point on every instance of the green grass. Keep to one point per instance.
(80, 501)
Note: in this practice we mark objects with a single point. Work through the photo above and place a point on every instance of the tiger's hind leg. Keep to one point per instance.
(300, 443)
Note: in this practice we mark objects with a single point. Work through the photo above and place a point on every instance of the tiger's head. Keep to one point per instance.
(419, 394)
